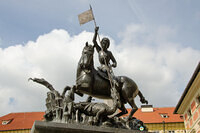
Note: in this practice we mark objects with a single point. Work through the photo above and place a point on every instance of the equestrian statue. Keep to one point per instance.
(100, 83)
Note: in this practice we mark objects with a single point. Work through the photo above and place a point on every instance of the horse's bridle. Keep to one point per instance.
(86, 71)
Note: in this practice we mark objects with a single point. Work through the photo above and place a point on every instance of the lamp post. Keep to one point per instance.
(164, 126)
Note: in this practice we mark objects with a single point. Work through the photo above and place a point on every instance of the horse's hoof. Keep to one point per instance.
(143, 101)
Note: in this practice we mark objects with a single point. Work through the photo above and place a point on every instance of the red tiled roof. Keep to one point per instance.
(23, 120)
(155, 117)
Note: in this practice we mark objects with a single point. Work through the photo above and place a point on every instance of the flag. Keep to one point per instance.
(85, 17)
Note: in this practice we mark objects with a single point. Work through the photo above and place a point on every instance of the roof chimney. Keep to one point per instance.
(147, 108)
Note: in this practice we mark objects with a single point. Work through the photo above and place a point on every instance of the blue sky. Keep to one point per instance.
(23, 20)
(156, 43)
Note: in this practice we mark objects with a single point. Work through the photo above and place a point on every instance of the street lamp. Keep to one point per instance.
(164, 126)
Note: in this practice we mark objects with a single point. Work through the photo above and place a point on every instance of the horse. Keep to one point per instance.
(89, 81)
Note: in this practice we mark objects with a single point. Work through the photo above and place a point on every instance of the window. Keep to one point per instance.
(189, 112)
(5, 122)
(198, 100)
(164, 115)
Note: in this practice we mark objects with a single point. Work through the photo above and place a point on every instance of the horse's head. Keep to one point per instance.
(87, 56)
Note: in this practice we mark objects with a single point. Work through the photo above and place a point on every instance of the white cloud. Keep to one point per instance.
(159, 70)
(53, 56)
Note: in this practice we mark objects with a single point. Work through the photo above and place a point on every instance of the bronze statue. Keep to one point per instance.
(101, 83)
(105, 56)
(99, 110)
(58, 106)
(89, 81)
(54, 101)
(68, 105)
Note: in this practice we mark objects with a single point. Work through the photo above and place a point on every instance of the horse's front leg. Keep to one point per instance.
(123, 111)
(77, 90)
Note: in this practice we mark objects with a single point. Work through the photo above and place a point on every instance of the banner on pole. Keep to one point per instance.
(85, 17)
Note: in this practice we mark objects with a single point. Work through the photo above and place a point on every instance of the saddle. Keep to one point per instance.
(102, 74)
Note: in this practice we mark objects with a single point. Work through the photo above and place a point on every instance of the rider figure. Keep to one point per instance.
(104, 53)
(104, 58)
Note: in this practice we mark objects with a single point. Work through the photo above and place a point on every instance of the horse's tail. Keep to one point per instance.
(142, 98)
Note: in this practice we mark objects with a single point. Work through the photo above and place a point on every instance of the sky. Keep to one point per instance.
(155, 43)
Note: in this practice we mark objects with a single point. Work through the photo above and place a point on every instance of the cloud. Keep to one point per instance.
(52, 56)
(160, 69)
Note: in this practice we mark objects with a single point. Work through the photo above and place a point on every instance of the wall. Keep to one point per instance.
(192, 111)
(177, 127)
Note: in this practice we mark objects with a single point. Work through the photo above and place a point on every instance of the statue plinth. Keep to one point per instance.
(53, 127)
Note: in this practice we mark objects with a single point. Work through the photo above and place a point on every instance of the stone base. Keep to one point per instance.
(53, 127)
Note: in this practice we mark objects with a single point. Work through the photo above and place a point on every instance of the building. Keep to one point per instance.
(19, 122)
(189, 103)
(160, 120)
(157, 120)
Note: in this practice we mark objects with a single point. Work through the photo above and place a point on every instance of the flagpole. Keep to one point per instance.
(95, 24)
(109, 76)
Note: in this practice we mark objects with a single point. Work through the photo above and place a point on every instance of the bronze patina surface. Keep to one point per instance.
(99, 83)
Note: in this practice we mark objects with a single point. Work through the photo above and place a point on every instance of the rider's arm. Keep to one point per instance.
(113, 60)
(98, 48)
